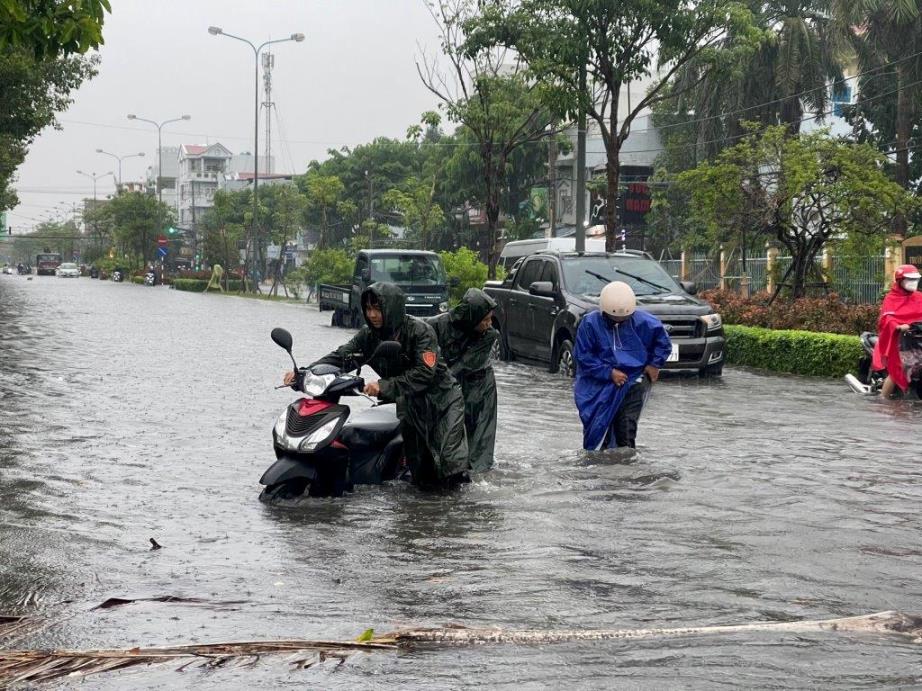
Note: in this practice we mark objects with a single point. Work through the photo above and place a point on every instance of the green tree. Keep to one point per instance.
(498, 109)
(324, 194)
(584, 52)
(224, 227)
(52, 28)
(32, 91)
(886, 36)
(416, 205)
(798, 190)
(136, 217)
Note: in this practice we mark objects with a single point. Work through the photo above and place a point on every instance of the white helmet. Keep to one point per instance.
(617, 300)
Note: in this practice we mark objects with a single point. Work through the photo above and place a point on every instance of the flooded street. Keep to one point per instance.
(128, 413)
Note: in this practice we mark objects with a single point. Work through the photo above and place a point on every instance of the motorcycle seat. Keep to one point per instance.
(372, 427)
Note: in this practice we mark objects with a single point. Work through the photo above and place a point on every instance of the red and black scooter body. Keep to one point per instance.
(322, 450)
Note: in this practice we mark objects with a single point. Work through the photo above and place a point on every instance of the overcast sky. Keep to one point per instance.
(352, 79)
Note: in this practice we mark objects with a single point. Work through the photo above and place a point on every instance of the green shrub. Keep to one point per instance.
(138, 279)
(796, 352)
(328, 266)
(464, 265)
(827, 314)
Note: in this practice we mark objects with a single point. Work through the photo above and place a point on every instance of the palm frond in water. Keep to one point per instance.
(20, 666)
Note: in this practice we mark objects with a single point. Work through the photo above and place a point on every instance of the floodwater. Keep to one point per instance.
(129, 412)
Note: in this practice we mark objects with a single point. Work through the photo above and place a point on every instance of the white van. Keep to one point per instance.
(515, 250)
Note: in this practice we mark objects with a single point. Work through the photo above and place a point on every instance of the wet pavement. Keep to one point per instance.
(129, 412)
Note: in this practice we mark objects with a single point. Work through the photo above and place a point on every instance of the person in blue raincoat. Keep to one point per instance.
(619, 353)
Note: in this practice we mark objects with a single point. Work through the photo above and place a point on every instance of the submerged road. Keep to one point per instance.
(129, 412)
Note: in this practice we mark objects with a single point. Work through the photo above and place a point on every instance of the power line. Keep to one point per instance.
(798, 95)
(741, 136)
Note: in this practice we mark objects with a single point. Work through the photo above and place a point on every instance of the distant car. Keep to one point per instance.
(68, 270)
(8, 270)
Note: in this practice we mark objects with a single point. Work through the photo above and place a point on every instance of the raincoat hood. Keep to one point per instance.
(393, 307)
(474, 306)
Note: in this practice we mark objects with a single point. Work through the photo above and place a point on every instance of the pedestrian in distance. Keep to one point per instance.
(619, 353)
(466, 337)
(429, 401)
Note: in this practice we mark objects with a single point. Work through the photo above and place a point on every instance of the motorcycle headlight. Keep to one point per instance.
(318, 436)
(443, 307)
(712, 322)
(316, 384)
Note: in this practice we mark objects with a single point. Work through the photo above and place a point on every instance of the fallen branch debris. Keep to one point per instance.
(18, 666)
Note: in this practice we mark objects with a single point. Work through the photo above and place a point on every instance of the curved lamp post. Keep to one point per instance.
(119, 159)
(298, 38)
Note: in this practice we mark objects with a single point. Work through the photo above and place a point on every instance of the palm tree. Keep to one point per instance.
(886, 36)
(786, 75)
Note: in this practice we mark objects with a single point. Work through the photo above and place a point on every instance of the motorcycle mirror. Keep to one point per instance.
(282, 338)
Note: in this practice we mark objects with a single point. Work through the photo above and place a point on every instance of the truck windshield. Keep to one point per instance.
(408, 270)
(579, 281)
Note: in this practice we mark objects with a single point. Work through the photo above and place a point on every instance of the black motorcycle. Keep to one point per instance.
(118, 275)
(869, 381)
(323, 451)
(150, 278)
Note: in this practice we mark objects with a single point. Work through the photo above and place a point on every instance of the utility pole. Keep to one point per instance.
(371, 211)
(552, 186)
(581, 163)
(268, 64)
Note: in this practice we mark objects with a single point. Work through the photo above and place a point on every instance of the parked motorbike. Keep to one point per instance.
(869, 381)
(150, 278)
(118, 276)
(321, 449)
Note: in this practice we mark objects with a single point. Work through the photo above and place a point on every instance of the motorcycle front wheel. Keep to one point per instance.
(285, 491)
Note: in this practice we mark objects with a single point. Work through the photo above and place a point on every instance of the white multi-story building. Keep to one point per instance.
(170, 157)
(200, 168)
(202, 171)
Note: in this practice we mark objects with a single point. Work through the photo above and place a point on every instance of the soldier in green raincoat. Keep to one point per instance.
(429, 401)
(466, 337)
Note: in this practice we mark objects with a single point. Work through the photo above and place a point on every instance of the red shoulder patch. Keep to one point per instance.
(430, 358)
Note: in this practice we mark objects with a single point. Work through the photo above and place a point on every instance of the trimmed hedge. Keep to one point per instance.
(195, 285)
(138, 279)
(796, 352)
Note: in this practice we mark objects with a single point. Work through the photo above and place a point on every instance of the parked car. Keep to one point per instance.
(67, 270)
(517, 249)
(420, 274)
(8, 269)
(541, 302)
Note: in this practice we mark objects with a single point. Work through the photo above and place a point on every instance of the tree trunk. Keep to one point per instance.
(492, 222)
(903, 132)
(613, 176)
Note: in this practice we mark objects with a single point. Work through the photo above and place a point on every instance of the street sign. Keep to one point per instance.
(161, 240)
(161, 251)
(272, 251)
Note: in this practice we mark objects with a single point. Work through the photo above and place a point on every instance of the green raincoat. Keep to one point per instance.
(429, 401)
(467, 354)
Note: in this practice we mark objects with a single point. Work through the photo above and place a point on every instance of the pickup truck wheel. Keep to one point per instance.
(563, 362)
(712, 370)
